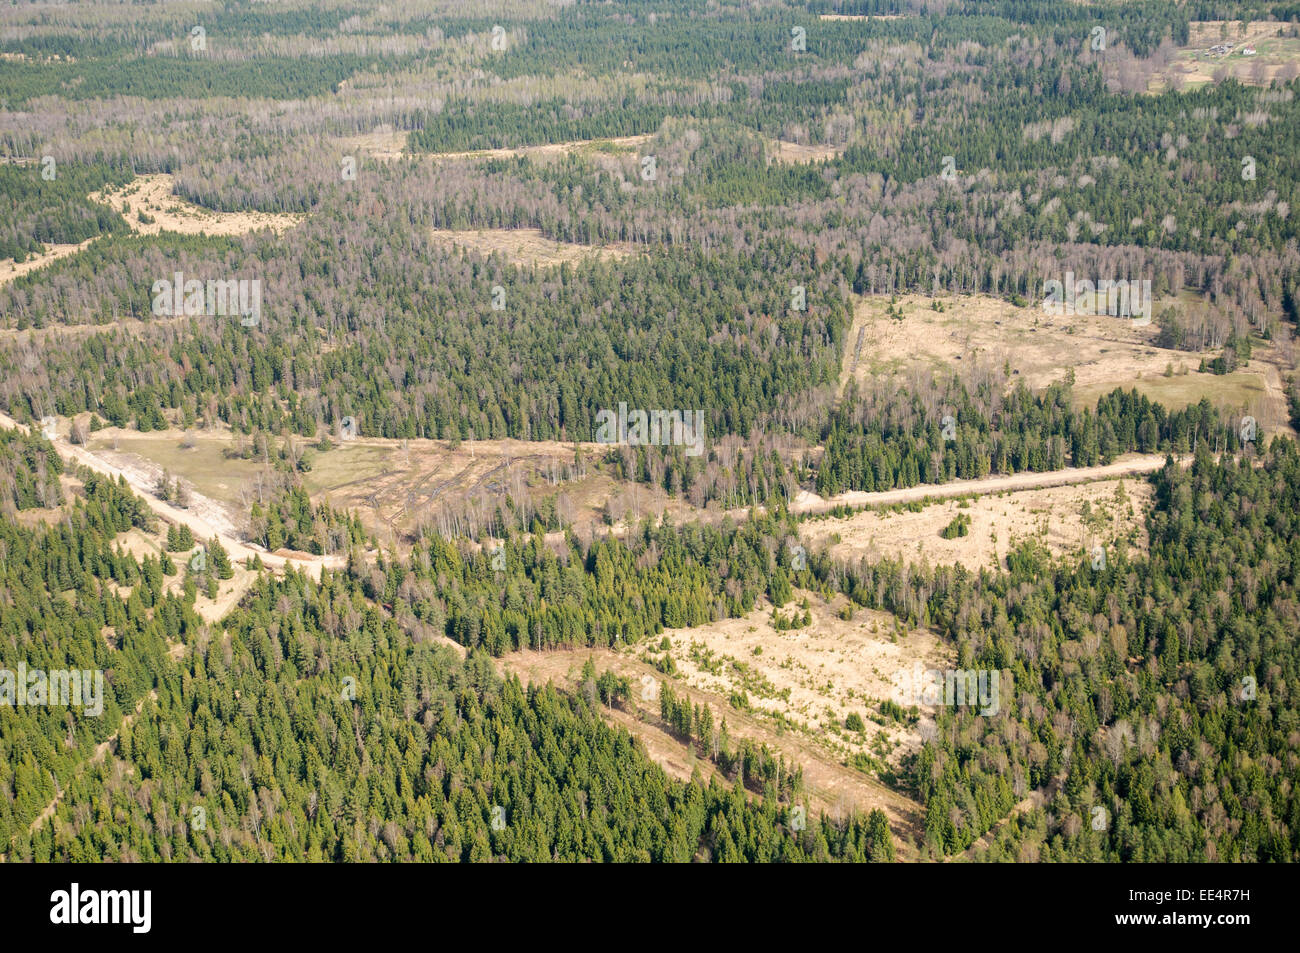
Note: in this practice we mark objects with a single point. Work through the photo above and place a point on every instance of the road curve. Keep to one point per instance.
(202, 528)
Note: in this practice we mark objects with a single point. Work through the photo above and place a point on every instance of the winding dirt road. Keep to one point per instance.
(204, 517)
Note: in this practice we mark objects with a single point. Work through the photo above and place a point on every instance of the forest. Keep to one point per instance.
(717, 194)
(318, 726)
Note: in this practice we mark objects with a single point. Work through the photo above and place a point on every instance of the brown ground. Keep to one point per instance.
(794, 154)
(9, 270)
(1127, 465)
(80, 330)
(387, 144)
(829, 785)
(205, 517)
(1195, 65)
(808, 681)
(396, 485)
(1104, 352)
(1054, 517)
(391, 144)
(152, 194)
(875, 16)
(526, 246)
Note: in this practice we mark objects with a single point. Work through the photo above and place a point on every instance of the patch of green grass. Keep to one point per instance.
(1236, 390)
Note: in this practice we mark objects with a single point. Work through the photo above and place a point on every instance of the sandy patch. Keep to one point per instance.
(152, 195)
(829, 785)
(1067, 520)
(809, 680)
(384, 144)
(205, 517)
(792, 153)
(9, 270)
(858, 16)
(388, 144)
(1039, 348)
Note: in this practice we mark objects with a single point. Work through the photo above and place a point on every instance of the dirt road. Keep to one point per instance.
(829, 786)
(205, 517)
(806, 502)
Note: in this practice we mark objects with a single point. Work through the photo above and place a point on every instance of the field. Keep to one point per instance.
(152, 195)
(1275, 57)
(1039, 348)
(140, 544)
(1066, 520)
(850, 16)
(203, 465)
(394, 486)
(830, 669)
(525, 246)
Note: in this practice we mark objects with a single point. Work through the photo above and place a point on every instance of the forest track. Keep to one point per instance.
(544, 149)
(829, 785)
(129, 324)
(101, 751)
(205, 517)
(807, 502)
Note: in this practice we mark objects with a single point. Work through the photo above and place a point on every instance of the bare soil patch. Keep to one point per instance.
(863, 16)
(1066, 519)
(1039, 348)
(387, 144)
(204, 516)
(152, 195)
(809, 680)
(526, 246)
(396, 486)
(9, 269)
(792, 153)
(829, 785)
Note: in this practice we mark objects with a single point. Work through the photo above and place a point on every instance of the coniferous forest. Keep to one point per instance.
(339, 610)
